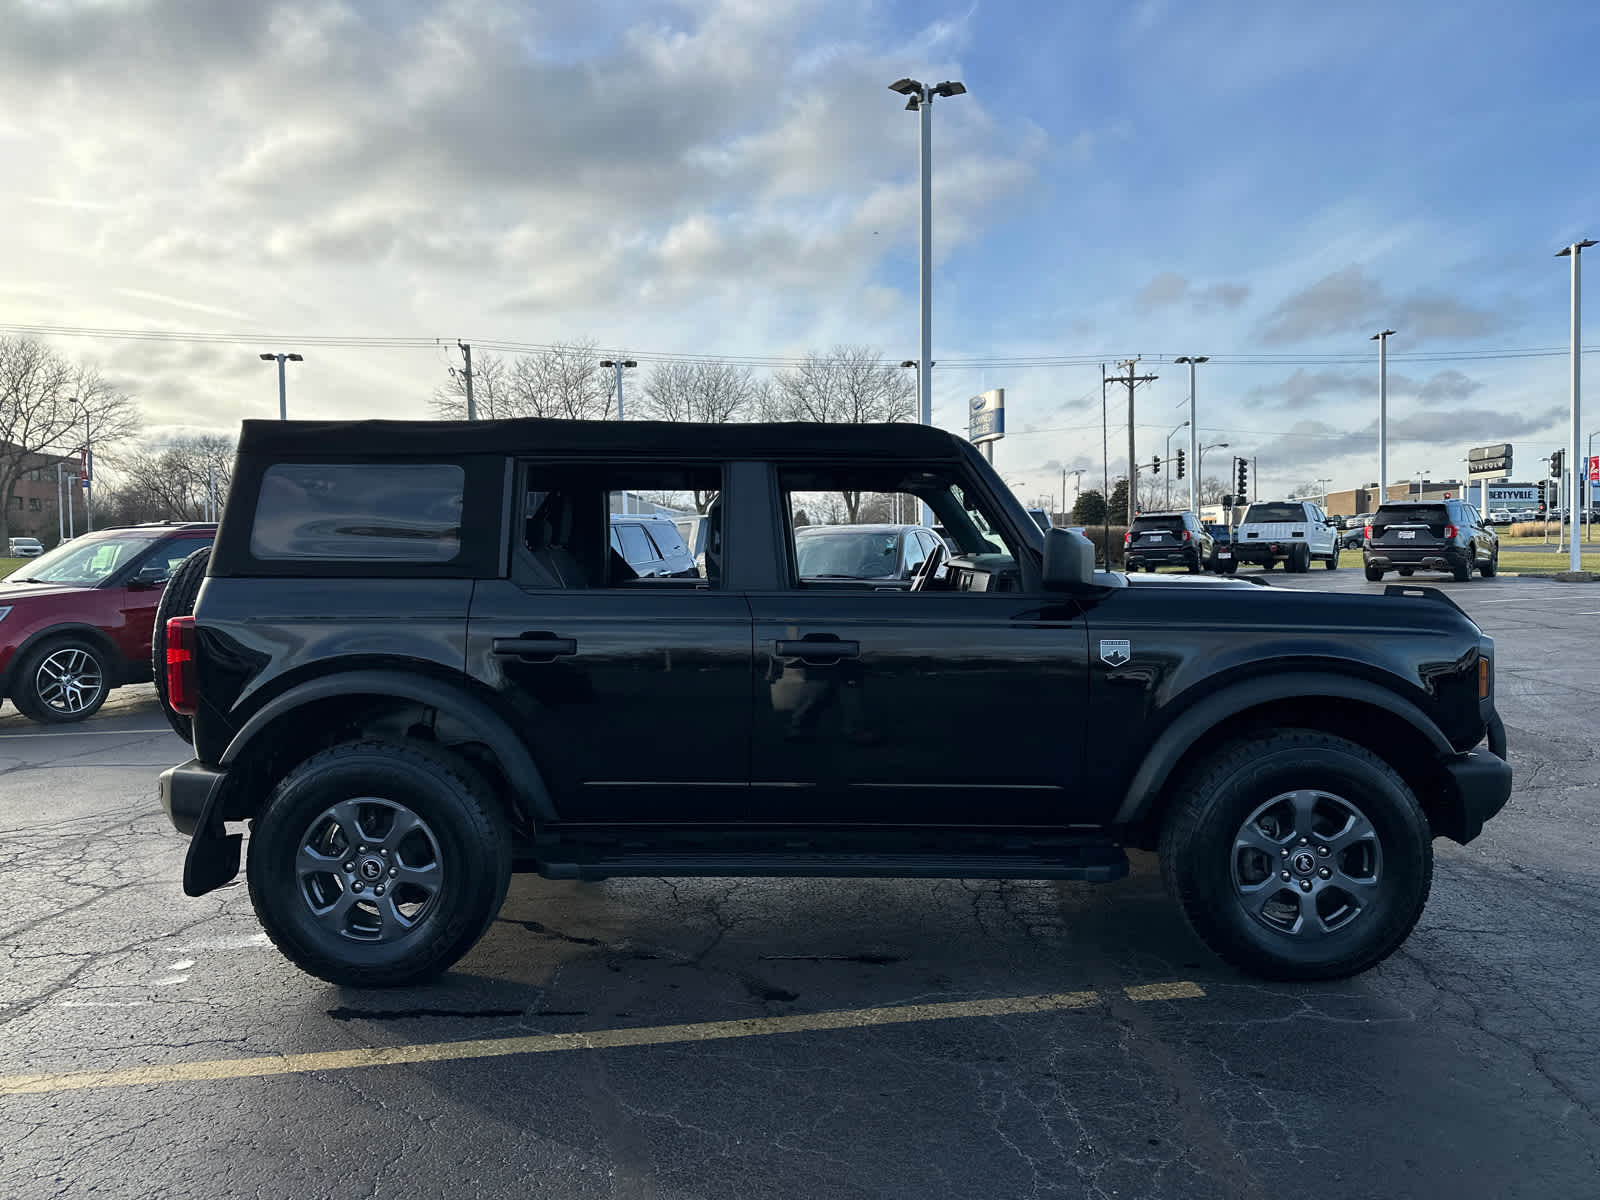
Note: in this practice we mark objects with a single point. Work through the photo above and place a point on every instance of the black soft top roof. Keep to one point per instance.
(648, 439)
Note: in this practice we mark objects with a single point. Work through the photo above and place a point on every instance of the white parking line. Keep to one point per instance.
(84, 733)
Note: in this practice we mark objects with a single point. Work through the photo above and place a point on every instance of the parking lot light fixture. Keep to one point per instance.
(1200, 458)
(283, 399)
(1575, 251)
(1382, 338)
(1194, 429)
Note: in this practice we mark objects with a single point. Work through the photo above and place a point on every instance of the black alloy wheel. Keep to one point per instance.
(376, 864)
(1298, 855)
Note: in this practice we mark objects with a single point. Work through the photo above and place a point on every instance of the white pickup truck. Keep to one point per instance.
(1293, 532)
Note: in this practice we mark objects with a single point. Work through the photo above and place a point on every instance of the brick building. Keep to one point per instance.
(35, 502)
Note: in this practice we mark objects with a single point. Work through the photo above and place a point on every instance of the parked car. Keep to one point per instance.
(1501, 516)
(76, 622)
(652, 546)
(1354, 533)
(1170, 539)
(1442, 535)
(423, 697)
(1293, 532)
(889, 555)
(1222, 560)
(25, 547)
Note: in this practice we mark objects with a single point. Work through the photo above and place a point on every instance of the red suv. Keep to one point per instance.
(76, 622)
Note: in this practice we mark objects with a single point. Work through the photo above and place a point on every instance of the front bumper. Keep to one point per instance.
(1480, 786)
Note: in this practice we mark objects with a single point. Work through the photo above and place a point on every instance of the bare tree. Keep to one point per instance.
(713, 392)
(491, 382)
(850, 385)
(172, 482)
(1152, 492)
(45, 401)
(1212, 490)
(564, 380)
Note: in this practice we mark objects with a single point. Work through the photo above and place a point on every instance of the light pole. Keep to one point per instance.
(619, 365)
(1324, 484)
(1575, 252)
(1382, 338)
(1194, 431)
(1166, 464)
(1077, 490)
(919, 99)
(283, 395)
(1200, 458)
(87, 470)
(1422, 477)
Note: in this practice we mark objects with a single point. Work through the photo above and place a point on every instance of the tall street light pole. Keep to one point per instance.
(283, 394)
(619, 365)
(1166, 459)
(919, 99)
(1382, 338)
(87, 469)
(1575, 252)
(1200, 461)
(1194, 432)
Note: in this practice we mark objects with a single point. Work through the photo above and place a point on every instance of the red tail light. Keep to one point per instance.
(1186, 535)
(1127, 538)
(181, 693)
(1366, 532)
(1449, 531)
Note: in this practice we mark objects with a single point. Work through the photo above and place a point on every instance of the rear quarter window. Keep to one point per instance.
(366, 512)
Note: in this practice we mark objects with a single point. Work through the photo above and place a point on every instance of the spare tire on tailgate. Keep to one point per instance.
(176, 601)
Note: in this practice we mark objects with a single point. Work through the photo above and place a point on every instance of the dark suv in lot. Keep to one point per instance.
(1175, 539)
(413, 661)
(76, 622)
(1430, 535)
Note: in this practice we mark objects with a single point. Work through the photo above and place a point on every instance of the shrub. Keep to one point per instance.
(1534, 528)
(1096, 534)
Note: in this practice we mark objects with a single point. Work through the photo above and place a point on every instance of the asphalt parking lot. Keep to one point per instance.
(818, 1038)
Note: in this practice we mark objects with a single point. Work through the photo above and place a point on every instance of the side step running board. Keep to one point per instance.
(1091, 864)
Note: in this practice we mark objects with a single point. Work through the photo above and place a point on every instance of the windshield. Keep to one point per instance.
(848, 553)
(83, 562)
(1149, 524)
(1263, 513)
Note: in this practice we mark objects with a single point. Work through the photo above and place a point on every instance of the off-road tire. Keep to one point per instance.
(177, 600)
(25, 680)
(461, 812)
(1197, 842)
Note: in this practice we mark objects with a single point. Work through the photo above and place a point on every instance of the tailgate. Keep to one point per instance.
(1277, 531)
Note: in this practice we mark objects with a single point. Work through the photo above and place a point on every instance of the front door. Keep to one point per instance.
(930, 706)
(633, 692)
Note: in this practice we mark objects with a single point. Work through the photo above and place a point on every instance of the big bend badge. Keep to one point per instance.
(1115, 653)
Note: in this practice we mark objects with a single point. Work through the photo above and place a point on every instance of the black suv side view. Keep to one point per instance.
(406, 661)
(1430, 535)
(1168, 539)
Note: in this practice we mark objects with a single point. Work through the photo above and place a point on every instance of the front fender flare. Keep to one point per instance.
(522, 773)
(1183, 733)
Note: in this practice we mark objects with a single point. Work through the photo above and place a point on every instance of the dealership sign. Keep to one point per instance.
(1489, 462)
(986, 417)
(1512, 495)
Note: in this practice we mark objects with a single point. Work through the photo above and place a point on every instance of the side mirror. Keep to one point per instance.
(1068, 560)
(149, 577)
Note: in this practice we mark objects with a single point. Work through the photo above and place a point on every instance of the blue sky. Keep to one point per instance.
(731, 177)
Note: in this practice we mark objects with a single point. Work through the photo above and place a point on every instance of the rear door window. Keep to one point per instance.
(636, 547)
(1268, 514)
(1158, 524)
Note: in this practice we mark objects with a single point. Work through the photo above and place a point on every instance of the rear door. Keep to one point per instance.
(633, 692)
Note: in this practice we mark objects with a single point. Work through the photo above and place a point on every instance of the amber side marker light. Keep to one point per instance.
(1483, 679)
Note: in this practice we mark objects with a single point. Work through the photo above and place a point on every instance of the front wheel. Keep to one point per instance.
(1298, 855)
(1332, 561)
(62, 681)
(375, 864)
(1491, 568)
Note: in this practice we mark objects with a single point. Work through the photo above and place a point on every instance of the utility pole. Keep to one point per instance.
(61, 517)
(1382, 338)
(1194, 431)
(1132, 381)
(1105, 467)
(472, 407)
(1575, 252)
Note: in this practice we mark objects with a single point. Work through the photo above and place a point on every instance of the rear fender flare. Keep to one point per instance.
(527, 784)
(1185, 732)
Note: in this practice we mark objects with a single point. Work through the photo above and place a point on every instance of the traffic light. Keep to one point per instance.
(1180, 464)
(1557, 460)
(1244, 478)
(1155, 465)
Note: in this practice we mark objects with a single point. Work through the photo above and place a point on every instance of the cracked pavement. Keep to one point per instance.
(1467, 1065)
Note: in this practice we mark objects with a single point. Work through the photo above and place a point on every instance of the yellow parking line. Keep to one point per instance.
(600, 1039)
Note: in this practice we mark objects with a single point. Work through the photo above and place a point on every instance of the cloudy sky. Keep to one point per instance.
(1266, 184)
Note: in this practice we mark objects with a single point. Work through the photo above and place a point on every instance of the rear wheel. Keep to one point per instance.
(376, 864)
(1195, 565)
(1298, 855)
(1375, 574)
(1406, 572)
(63, 680)
(176, 601)
(1463, 569)
(1300, 559)
(1489, 569)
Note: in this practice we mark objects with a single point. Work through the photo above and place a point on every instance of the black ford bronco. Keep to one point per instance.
(415, 663)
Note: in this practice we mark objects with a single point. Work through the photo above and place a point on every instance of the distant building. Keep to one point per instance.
(33, 507)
